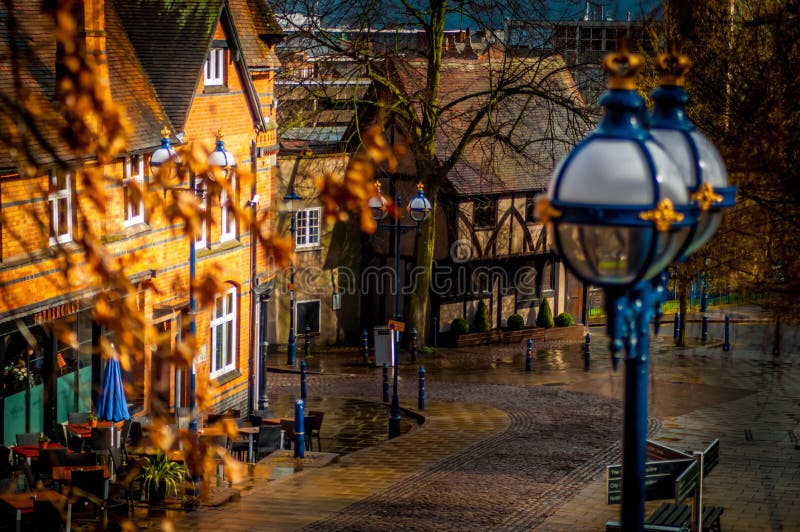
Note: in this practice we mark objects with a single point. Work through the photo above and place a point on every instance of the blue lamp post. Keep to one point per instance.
(622, 209)
(419, 208)
(291, 201)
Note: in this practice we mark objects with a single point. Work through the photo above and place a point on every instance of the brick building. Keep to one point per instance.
(194, 68)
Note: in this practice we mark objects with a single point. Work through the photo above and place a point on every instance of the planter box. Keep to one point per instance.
(573, 334)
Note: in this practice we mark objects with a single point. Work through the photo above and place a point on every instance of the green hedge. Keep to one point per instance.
(482, 321)
(564, 320)
(459, 326)
(515, 322)
(545, 317)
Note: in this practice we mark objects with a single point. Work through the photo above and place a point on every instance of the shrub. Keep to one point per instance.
(515, 322)
(545, 317)
(482, 321)
(459, 326)
(564, 320)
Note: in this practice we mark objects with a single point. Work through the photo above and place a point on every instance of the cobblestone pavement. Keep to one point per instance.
(502, 449)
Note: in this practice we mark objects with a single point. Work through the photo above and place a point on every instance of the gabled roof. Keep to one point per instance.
(131, 88)
(35, 54)
(258, 30)
(537, 132)
(171, 39)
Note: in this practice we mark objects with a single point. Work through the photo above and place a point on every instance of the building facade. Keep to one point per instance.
(192, 68)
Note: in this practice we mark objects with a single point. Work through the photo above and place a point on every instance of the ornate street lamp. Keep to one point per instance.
(622, 209)
(419, 208)
(291, 204)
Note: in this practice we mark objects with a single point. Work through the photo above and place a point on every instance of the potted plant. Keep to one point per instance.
(44, 441)
(92, 420)
(160, 477)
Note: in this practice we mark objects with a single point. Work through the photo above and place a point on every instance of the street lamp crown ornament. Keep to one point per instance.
(623, 67)
(672, 67)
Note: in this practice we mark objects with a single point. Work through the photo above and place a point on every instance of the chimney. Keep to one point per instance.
(90, 42)
(92, 27)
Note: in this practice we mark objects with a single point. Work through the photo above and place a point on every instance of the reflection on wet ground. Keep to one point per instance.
(348, 424)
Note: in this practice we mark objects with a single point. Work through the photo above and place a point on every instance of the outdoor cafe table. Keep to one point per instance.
(249, 431)
(22, 503)
(31, 452)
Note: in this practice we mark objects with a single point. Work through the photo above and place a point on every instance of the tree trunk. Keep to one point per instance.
(418, 309)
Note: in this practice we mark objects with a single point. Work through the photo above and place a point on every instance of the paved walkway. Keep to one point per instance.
(503, 449)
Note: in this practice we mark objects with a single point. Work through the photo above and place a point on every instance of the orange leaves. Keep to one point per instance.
(95, 125)
(351, 193)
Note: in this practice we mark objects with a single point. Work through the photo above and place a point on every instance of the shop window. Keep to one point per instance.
(223, 333)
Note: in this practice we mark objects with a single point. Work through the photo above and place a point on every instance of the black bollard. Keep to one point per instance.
(435, 331)
(587, 360)
(704, 309)
(528, 356)
(365, 345)
(385, 383)
(414, 344)
(677, 333)
(303, 386)
(776, 348)
(726, 345)
(308, 340)
(421, 400)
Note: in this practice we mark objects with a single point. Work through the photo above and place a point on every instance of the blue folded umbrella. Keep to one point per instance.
(112, 405)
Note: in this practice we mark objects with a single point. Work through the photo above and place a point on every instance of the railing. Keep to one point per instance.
(597, 312)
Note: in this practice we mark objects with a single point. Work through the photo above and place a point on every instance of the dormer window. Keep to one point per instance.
(215, 67)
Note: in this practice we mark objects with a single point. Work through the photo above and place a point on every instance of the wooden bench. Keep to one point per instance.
(675, 517)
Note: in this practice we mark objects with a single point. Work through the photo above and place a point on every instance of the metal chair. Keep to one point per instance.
(46, 517)
(309, 424)
(287, 426)
(87, 493)
(269, 440)
(28, 438)
(315, 432)
(101, 442)
(6, 471)
(48, 458)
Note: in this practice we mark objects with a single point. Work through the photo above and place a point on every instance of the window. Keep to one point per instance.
(307, 226)
(223, 333)
(307, 314)
(201, 192)
(215, 67)
(228, 218)
(530, 207)
(133, 188)
(60, 203)
(484, 212)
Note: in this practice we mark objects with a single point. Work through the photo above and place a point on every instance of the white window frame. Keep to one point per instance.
(55, 199)
(214, 69)
(201, 240)
(301, 329)
(227, 216)
(304, 237)
(224, 314)
(134, 172)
